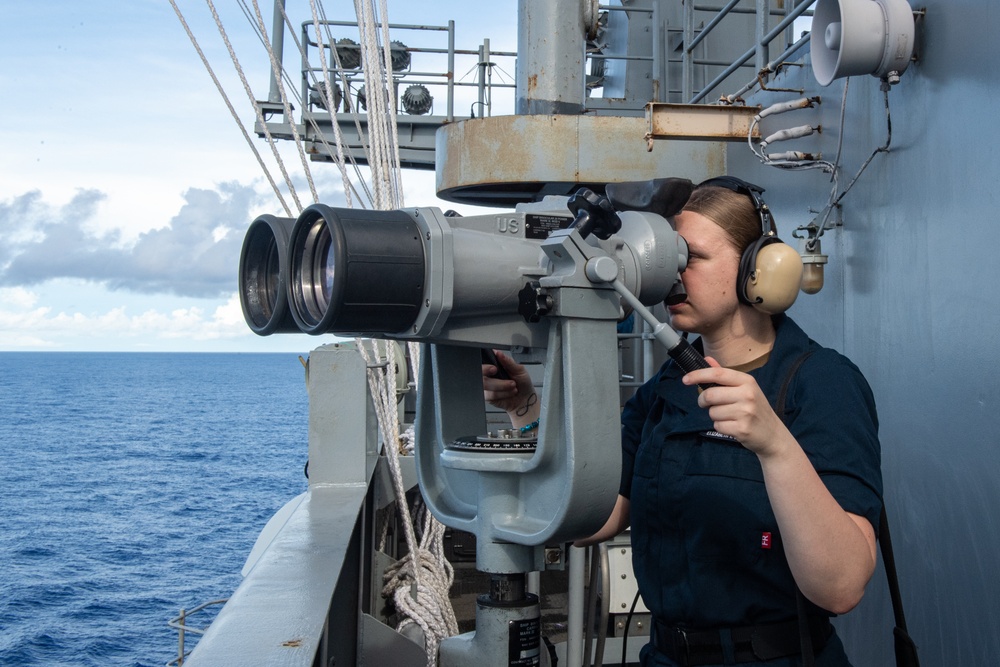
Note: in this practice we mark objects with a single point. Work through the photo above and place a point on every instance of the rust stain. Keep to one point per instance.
(532, 83)
(292, 643)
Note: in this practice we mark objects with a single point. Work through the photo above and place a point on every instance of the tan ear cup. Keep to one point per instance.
(774, 283)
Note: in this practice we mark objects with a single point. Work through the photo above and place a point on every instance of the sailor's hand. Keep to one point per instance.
(738, 407)
(516, 396)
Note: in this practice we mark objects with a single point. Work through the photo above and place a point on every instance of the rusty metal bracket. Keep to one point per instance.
(699, 122)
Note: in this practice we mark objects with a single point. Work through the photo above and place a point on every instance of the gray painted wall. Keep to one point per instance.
(913, 297)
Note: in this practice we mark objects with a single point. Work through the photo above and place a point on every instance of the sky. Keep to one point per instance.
(126, 184)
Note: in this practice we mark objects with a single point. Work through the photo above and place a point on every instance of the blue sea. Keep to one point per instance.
(131, 486)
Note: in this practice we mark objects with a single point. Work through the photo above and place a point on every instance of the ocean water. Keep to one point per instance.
(131, 486)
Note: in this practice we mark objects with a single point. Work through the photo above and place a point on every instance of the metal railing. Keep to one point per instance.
(758, 51)
(437, 65)
(179, 623)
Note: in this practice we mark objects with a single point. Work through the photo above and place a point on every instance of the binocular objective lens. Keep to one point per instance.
(329, 270)
(262, 276)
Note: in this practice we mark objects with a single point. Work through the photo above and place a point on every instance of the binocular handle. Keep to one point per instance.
(681, 351)
(688, 358)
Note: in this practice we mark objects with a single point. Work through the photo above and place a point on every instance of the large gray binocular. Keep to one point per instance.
(549, 277)
(421, 274)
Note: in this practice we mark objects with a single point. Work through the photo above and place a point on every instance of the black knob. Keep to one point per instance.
(533, 302)
(594, 214)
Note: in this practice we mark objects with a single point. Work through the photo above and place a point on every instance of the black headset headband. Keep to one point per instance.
(752, 191)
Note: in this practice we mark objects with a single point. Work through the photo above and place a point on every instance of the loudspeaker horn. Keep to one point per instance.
(861, 37)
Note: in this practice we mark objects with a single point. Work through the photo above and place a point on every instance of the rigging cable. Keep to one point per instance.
(425, 568)
(328, 89)
(372, 75)
(355, 116)
(378, 79)
(391, 92)
(337, 131)
(421, 581)
(252, 22)
(232, 110)
(276, 68)
(256, 107)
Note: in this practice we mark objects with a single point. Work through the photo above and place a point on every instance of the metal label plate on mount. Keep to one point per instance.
(524, 643)
(540, 225)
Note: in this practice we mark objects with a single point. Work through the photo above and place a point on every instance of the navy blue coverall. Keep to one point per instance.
(707, 551)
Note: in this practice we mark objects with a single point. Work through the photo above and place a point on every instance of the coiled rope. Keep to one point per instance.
(420, 582)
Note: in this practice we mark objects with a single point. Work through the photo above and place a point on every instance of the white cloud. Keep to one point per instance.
(18, 297)
(195, 255)
(125, 234)
(23, 326)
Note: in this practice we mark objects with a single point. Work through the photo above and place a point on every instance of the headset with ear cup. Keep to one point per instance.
(770, 271)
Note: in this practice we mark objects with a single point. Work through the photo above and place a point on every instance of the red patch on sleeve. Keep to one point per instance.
(765, 540)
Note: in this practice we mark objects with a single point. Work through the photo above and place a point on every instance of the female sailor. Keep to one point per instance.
(749, 528)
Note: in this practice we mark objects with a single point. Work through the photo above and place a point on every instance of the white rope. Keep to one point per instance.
(420, 582)
(312, 121)
(370, 65)
(395, 174)
(232, 110)
(414, 349)
(355, 116)
(256, 107)
(276, 69)
(431, 610)
(331, 108)
(255, 26)
(425, 569)
(378, 86)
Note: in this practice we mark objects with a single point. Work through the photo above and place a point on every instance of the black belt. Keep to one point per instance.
(751, 643)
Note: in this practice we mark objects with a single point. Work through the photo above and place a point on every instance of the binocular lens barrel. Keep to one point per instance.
(263, 276)
(414, 273)
(355, 270)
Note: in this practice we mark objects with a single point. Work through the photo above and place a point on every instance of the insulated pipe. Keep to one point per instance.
(535, 583)
(551, 47)
(588, 630)
(574, 620)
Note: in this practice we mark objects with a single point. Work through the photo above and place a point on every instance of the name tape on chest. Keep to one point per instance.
(715, 435)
